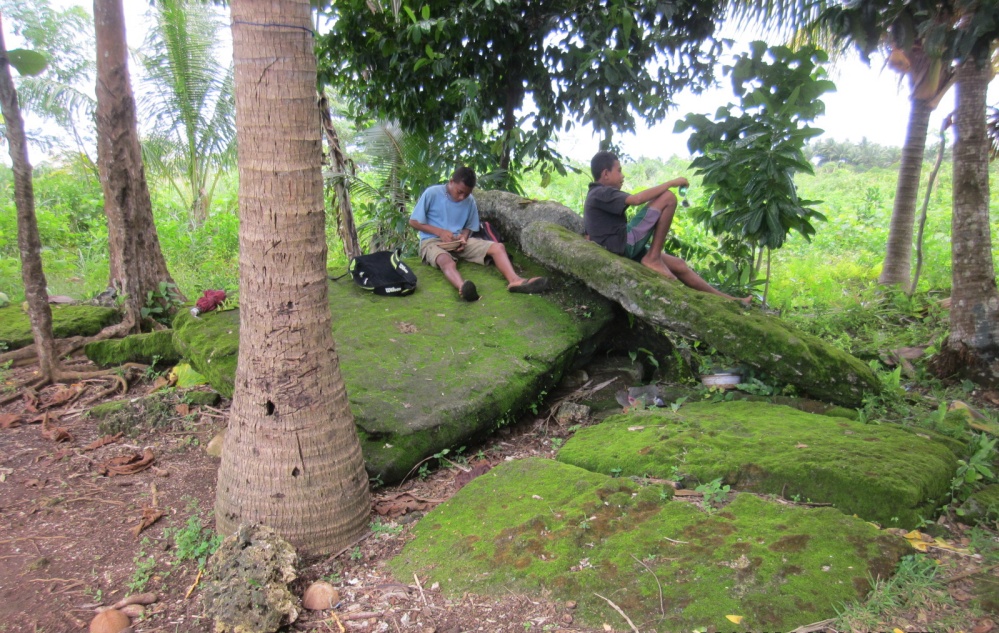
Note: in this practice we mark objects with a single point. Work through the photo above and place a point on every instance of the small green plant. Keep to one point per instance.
(615, 472)
(675, 406)
(714, 492)
(332, 578)
(355, 553)
(385, 528)
(976, 469)
(193, 541)
(376, 481)
(161, 303)
(557, 443)
(424, 471)
(144, 566)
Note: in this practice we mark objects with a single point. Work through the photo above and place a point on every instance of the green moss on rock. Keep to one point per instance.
(201, 398)
(881, 473)
(981, 506)
(149, 349)
(536, 524)
(67, 320)
(428, 371)
(752, 337)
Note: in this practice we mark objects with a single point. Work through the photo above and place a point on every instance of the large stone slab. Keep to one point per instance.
(537, 526)
(511, 213)
(429, 371)
(752, 337)
(881, 473)
(67, 320)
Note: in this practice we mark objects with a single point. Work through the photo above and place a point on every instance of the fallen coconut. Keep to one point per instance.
(110, 621)
(320, 596)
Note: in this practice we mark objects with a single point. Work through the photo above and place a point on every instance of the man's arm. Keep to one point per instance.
(652, 193)
(444, 234)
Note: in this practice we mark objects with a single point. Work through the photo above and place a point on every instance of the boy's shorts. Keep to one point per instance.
(475, 251)
(640, 230)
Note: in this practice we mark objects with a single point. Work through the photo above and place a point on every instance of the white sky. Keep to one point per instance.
(869, 103)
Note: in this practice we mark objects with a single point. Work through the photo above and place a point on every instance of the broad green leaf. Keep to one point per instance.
(27, 63)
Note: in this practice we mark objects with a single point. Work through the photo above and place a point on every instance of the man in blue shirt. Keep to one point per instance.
(446, 216)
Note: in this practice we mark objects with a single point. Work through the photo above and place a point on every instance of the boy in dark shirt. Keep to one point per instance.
(606, 224)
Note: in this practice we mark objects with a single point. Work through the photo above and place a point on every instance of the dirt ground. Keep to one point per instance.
(68, 541)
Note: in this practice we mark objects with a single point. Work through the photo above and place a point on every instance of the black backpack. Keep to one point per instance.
(383, 273)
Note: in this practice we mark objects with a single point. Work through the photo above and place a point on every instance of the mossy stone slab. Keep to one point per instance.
(151, 348)
(428, 371)
(537, 525)
(882, 473)
(67, 320)
(982, 506)
(764, 342)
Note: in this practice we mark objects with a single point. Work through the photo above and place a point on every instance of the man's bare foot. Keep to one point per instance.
(745, 301)
(656, 264)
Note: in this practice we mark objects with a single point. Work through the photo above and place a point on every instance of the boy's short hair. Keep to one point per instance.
(601, 161)
(464, 175)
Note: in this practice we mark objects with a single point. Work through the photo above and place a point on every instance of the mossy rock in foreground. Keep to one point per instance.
(882, 473)
(67, 320)
(537, 525)
(429, 371)
(152, 348)
(981, 507)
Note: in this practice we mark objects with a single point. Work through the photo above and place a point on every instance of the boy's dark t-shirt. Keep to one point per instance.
(604, 219)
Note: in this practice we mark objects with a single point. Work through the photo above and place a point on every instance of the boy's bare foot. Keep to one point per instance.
(656, 264)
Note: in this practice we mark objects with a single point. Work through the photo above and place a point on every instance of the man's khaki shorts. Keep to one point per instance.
(475, 251)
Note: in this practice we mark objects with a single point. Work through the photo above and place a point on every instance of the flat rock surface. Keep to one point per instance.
(67, 320)
(554, 530)
(881, 473)
(429, 371)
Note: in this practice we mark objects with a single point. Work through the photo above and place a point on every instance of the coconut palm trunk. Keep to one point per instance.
(136, 261)
(898, 256)
(291, 458)
(972, 349)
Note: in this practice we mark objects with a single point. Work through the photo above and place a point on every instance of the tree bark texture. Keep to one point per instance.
(136, 261)
(898, 256)
(974, 313)
(28, 240)
(292, 459)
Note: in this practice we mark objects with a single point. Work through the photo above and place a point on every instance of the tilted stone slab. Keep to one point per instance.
(881, 473)
(510, 213)
(539, 527)
(752, 337)
(429, 371)
(67, 321)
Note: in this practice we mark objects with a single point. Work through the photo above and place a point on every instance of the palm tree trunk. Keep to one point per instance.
(345, 217)
(898, 258)
(28, 240)
(136, 261)
(972, 350)
(291, 459)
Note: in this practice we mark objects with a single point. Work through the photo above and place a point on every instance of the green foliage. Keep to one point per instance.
(189, 100)
(714, 493)
(462, 72)
(161, 303)
(193, 541)
(144, 566)
(977, 469)
(749, 159)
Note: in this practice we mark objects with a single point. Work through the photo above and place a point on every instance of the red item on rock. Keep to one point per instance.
(210, 300)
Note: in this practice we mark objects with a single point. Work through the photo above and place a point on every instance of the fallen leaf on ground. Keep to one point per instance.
(149, 516)
(959, 594)
(4, 472)
(182, 409)
(734, 619)
(983, 626)
(160, 383)
(54, 433)
(64, 395)
(406, 328)
(800, 445)
(687, 493)
(127, 464)
(9, 420)
(464, 477)
(104, 441)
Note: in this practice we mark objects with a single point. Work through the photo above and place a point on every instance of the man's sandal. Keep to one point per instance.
(468, 292)
(531, 286)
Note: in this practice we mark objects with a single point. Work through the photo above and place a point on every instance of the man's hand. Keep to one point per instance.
(679, 182)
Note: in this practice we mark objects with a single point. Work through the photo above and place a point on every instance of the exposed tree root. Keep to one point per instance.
(27, 355)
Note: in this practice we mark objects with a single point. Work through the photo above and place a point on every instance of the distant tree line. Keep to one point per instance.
(863, 155)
